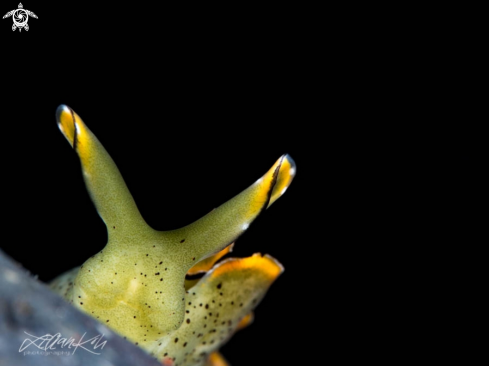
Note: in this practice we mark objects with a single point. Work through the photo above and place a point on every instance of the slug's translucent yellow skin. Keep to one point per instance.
(137, 284)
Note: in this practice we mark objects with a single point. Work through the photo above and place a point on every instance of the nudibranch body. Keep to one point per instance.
(137, 284)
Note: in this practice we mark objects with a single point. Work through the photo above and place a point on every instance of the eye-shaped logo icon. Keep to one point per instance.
(20, 17)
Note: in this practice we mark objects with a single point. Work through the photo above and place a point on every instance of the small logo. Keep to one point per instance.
(20, 17)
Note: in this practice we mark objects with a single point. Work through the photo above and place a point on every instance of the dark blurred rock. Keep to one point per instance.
(29, 306)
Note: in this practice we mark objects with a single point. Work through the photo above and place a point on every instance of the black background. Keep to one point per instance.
(194, 105)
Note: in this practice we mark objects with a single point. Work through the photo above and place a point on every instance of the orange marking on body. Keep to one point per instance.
(167, 361)
(246, 321)
(267, 264)
(216, 359)
(206, 264)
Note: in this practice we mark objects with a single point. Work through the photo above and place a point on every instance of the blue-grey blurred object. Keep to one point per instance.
(29, 306)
